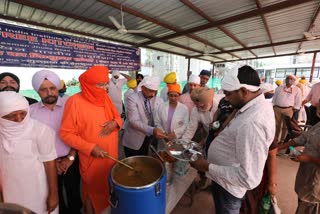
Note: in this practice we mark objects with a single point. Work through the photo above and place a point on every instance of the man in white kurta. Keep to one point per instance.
(205, 107)
(27, 154)
(115, 89)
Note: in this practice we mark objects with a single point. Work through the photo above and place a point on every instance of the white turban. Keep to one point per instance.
(194, 79)
(151, 83)
(266, 87)
(40, 76)
(231, 82)
(116, 73)
(11, 101)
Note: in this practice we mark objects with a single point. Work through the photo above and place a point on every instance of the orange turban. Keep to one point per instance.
(97, 96)
(174, 88)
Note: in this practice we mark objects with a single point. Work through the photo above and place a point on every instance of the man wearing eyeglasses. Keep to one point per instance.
(286, 100)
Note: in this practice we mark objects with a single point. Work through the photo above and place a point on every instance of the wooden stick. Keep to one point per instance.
(118, 161)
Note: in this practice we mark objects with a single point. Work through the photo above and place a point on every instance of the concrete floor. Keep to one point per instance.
(287, 198)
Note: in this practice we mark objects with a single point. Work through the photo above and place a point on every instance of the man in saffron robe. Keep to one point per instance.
(90, 125)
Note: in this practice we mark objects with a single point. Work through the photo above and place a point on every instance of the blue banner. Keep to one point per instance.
(25, 47)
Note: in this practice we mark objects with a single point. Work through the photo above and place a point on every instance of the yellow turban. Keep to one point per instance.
(132, 83)
(174, 88)
(202, 95)
(62, 84)
(170, 78)
(278, 82)
(303, 81)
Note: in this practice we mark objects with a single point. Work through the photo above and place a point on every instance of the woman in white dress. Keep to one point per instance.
(172, 116)
(27, 152)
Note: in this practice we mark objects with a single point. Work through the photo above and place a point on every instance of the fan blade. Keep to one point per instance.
(115, 22)
(138, 31)
(309, 36)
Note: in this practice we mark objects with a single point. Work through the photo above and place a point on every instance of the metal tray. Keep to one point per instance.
(183, 150)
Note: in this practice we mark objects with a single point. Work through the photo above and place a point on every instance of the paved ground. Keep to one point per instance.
(287, 199)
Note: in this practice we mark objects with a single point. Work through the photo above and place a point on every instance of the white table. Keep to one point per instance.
(178, 187)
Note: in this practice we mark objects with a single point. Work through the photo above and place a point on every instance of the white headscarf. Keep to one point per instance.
(152, 83)
(231, 82)
(40, 76)
(11, 132)
(194, 79)
(116, 73)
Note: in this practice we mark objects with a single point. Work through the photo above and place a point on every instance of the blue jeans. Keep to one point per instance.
(225, 203)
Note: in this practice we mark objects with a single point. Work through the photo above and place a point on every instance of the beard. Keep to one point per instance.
(239, 105)
(9, 88)
(50, 99)
(205, 108)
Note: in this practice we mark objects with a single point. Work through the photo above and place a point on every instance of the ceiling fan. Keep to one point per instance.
(206, 51)
(310, 36)
(121, 27)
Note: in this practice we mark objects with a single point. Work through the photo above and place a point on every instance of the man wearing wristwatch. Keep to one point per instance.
(50, 111)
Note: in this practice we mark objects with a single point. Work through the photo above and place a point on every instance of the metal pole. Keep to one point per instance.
(212, 75)
(312, 68)
(188, 69)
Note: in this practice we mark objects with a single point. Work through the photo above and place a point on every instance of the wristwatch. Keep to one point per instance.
(71, 157)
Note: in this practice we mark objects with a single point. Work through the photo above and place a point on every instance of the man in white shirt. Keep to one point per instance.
(202, 113)
(286, 100)
(115, 89)
(237, 156)
(314, 98)
(50, 111)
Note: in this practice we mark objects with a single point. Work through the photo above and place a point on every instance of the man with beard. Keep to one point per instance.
(115, 89)
(237, 156)
(202, 113)
(50, 111)
(10, 82)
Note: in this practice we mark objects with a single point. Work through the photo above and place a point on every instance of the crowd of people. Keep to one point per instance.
(52, 150)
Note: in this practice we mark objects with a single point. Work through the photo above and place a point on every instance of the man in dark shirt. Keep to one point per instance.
(225, 109)
(10, 82)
